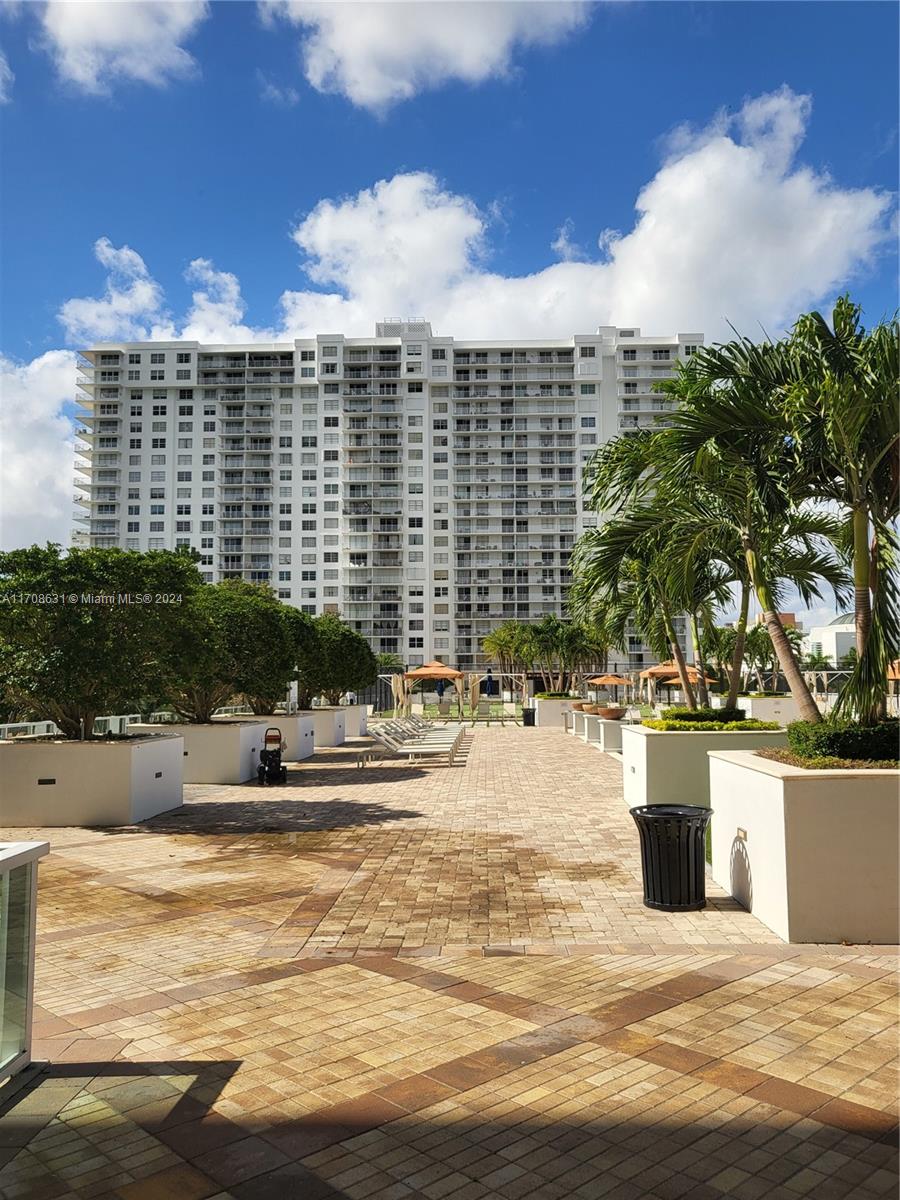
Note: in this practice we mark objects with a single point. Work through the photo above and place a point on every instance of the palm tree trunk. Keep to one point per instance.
(783, 649)
(737, 658)
(702, 689)
(678, 655)
(862, 600)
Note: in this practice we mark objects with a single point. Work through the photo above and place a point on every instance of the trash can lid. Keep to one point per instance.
(671, 810)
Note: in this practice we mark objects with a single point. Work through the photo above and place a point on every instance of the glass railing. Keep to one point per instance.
(18, 901)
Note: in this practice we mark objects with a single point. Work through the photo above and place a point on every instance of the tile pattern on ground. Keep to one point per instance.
(434, 983)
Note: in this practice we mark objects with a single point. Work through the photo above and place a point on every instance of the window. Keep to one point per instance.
(156, 376)
(328, 369)
(414, 388)
(587, 352)
(307, 356)
(329, 351)
(134, 359)
(689, 350)
(626, 333)
(414, 351)
(588, 389)
(157, 358)
(307, 372)
(588, 422)
(438, 354)
(134, 376)
(660, 355)
(182, 374)
(629, 355)
(182, 357)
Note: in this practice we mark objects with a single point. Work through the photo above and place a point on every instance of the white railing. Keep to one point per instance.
(27, 729)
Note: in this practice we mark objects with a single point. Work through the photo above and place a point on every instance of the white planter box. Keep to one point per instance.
(90, 783)
(672, 768)
(549, 714)
(812, 854)
(296, 731)
(355, 720)
(782, 709)
(330, 729)
(220, 752)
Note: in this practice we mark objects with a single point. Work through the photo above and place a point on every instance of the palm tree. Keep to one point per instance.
(842, 413)
(711, 518)
(730, 436)
(622, 569)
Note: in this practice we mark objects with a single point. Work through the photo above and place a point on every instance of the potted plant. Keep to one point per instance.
(806, 837)
(665, 760)
(239, 646)
(95, 646)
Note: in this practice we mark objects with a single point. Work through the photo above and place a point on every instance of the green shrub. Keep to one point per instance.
(680, 713)
(554, 696)
(744, 726)
(845, 739)
(826, 763)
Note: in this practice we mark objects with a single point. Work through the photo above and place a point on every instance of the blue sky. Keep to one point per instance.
(232, 170)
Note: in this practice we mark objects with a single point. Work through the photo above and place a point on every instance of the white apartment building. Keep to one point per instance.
(425, 488)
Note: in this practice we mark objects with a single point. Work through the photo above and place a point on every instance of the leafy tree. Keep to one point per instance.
(817, 661)
(300, 632)
(339, 660)
(71, 660)
(240, 645)
(388, 662)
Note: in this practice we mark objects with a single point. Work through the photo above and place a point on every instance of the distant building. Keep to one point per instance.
(833, 640)
(788, 620)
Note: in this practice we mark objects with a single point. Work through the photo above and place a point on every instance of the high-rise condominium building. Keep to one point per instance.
(425, 488)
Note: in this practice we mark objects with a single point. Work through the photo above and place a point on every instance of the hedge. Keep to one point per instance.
(680, 713)
(845, 739)
(744, 726)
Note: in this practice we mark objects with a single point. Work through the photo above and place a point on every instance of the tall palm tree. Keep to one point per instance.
(622, 569)
(842, 413)
(730, 435)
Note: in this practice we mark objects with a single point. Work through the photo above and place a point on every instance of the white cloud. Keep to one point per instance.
(98, 43)
(730, 228)
(377, 54)
(563, 245)
(129, 299)
(7, 79)
(272, 93)
(37, 455)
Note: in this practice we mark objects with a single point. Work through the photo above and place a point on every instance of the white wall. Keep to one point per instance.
(221, 752)
(96, 783)
(813, 854)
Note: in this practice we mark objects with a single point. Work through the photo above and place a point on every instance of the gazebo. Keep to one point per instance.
(665, 671)
(435, 671)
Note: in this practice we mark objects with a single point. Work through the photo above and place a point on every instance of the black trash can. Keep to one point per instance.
(673, 855)
(528, 717)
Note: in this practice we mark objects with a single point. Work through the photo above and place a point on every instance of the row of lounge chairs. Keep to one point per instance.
(414, 739)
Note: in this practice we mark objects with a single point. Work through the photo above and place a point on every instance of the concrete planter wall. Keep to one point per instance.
(812, 854)
(355, 720)
(597, 731)
(296, 731)
(672, 768)
(90, 783)
(329, 725)
(549, 713)
(220, 752)
(782, 709)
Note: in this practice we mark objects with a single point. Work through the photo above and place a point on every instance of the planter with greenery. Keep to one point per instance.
(297, 731)
(666, 761)
(808, 841)
(93, 646)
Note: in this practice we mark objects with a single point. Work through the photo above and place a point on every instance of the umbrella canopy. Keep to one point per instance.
(434, 670)
(608, 681)
(474, 692)
(894, 670)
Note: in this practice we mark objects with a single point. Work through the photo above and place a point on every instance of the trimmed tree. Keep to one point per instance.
(339, 660)
(300, 631)
(239, 646)
(101, 639)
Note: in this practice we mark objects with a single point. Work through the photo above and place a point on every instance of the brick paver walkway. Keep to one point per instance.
(401, 982)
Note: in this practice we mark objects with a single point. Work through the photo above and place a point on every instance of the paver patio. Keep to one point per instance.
(397, 982)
